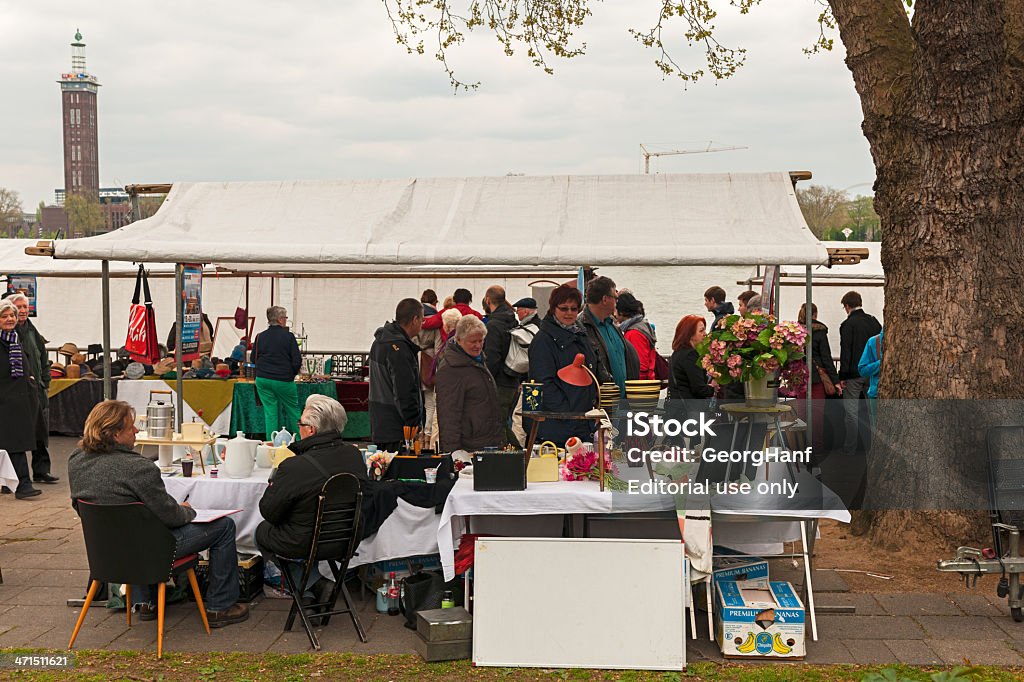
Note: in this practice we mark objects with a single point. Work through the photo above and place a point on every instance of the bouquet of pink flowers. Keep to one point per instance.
(583, 465)
(745, 347)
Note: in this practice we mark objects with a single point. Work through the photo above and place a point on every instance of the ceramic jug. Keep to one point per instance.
(239, 456)
(282, 437)
(265, 455)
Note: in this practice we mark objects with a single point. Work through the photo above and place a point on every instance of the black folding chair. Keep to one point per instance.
(335, 538)
(127, 543)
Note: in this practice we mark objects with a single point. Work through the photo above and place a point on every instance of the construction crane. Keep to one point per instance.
(673, 152)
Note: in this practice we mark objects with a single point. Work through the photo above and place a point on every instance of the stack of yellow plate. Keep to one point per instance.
(609, 394)
(643, 392)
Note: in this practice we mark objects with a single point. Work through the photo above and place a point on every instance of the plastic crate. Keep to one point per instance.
(250, 577)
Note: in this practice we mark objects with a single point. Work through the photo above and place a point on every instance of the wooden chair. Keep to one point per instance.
(336, 536)
(127, 543)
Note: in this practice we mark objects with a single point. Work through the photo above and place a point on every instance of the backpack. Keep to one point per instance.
(517, 360)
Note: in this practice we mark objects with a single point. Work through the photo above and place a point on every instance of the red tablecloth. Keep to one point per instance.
(354, 396)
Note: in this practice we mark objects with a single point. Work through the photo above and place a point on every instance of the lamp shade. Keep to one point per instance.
(576, 374)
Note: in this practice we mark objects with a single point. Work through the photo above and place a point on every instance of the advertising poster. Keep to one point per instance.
(192, 311)
(771, 280)
(25, 284)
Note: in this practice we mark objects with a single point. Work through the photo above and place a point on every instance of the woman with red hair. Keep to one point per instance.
(687, 380)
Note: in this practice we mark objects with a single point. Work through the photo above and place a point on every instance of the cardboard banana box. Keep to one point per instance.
(754, 622)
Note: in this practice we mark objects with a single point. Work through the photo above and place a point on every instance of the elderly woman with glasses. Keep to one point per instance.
(276, 354)
(468, 416)
(19, 401)
(555, 346)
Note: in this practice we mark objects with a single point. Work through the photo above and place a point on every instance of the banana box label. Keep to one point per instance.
(752, 570)
(752, 621)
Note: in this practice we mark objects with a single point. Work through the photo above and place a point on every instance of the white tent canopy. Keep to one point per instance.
(14, 260)
(557, 221)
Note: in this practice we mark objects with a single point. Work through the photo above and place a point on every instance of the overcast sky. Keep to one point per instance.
(232, 90)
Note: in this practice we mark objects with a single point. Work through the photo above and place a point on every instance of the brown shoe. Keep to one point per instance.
(233, 614)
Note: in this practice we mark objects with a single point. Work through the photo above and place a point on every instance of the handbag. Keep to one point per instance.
(141, 343)
(427, 373)
(422, 592)
(826, 381)
(661, 367)
(544, 467)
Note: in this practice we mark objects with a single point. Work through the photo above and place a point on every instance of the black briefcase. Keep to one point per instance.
(499, 470)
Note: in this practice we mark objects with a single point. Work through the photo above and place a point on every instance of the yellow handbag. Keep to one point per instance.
(544, 467)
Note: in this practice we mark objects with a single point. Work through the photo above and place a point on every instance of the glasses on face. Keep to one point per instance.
(567, 309)
(308, 426)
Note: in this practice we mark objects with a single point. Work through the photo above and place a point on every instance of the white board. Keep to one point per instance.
(579, 603)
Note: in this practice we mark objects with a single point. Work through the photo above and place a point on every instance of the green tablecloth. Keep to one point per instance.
(247, 416)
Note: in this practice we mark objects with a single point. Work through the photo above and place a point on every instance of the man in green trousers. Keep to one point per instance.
(277, 358)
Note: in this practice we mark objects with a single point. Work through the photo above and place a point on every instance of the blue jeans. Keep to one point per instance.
(855, 388)
(219, 537)
(294, 568)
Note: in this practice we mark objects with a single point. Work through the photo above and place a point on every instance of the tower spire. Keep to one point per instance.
(78, 54)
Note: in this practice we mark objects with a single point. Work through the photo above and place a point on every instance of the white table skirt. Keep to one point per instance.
(585, 497)
(408, 531)
(8, 476)
(136, 393)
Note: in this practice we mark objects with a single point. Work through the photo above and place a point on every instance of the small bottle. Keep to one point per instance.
(393, 595)
(447, 600)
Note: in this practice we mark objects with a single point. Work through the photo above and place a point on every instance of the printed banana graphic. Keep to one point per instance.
(748, 645)
(780, 646)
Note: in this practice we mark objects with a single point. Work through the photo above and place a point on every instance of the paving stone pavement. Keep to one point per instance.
(43, 560)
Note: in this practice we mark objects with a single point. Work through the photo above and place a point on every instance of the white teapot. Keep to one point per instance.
(238, 455)
(265, 455)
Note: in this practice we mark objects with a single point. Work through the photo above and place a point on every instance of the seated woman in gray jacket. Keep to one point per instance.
(106, 470)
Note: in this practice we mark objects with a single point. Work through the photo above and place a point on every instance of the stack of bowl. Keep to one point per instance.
(609, 394)
(643, 392)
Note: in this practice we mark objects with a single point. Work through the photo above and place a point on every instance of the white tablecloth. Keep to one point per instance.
(408, 531)
(136, 394)
(585, 497)
(8, 476)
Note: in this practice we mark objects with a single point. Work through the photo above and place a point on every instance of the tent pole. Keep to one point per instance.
(810, 359)
(107, 384)
(179, 293)
(245, 330)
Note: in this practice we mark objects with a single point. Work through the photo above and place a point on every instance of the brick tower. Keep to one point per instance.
(81, 149)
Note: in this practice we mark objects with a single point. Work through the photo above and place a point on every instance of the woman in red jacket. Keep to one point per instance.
(638, 331)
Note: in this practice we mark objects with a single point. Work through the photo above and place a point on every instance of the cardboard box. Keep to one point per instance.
(752, 622)
(750, 569)
(377, 573)
(453, 650)
(444, 625)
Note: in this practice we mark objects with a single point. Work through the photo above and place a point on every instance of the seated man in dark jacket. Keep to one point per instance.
(289, 505)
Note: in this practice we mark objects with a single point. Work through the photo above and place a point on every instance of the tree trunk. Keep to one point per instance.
(941, 97)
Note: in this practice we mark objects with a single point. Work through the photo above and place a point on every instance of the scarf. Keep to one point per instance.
(17, 360)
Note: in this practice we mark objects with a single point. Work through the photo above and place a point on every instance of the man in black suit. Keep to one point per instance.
(289, 504)
(854, 333)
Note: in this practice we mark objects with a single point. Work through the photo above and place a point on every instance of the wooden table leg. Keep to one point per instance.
(532, 438)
